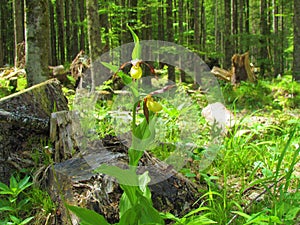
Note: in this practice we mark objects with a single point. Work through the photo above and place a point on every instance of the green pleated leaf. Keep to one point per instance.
(87, 216)
(136, 53)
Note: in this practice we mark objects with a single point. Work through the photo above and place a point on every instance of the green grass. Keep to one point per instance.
(258, 156)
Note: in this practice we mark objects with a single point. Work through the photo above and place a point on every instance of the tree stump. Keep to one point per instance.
(24, 122)
(241, 70)
(74, 181)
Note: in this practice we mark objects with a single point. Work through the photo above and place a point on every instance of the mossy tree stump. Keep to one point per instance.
(24, 122)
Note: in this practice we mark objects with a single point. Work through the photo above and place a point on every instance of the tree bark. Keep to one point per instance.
(296, 56)
(234, 25)
(276, 48)
(53, 52)
(82, 15)
(1, 37)
(37, 41)
(74, 27)
(170, 36)
(227, 35)
(94, 35)
(68, 28)
(197, 43)
(263, 40)
(60, 30)
(18, 10)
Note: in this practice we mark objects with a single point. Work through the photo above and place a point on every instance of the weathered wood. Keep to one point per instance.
(24, 122)
(65, 133)
(221, 73)
(75, 182)
(241, 70)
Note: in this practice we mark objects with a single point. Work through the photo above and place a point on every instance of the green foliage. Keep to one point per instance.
(136, 53)
(87, 216)
(11, 201)
(279, 93)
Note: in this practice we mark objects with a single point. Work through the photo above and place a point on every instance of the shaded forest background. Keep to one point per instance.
(215, 29)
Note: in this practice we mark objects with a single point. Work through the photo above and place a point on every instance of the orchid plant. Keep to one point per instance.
(135, 204)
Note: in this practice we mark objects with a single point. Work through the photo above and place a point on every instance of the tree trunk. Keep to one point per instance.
(296, 56)
(60, 30)
(94, 35)
(18, 9)
(276, 48)
(53, 52)
(227, 35)
(263, 40)
(161, 21)
(247, 24)
(8, 32)
(1, 37)
(74, 27)
(203, 29)
(170, 36)
(241, 41)
(197, 43)
(234, 26)
(82, 15)
(181, 30)
(68, 29)
(37, 41)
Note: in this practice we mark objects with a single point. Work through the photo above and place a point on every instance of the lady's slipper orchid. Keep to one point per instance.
(152, 105)
(136, 71)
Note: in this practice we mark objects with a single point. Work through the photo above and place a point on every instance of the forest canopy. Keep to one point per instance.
(215, 29)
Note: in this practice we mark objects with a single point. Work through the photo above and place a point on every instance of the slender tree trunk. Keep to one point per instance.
(203, 27)
(82, 15)
(263, 40)
(296, 56)
(37, 41)
(74, 27)
(8, 32)
(247, 23)
(1, 37)
(180, 35)
(197, 43)
(161, 22)
(241, 41)
(276, 48)
(170, 36)
(60, 30)
(53, 53)
(227, 37)
(18, 10)
(234, 25)
(68, 29)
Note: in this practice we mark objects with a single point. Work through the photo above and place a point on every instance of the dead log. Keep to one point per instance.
(24, 122)
(74, 181)
(221, 73)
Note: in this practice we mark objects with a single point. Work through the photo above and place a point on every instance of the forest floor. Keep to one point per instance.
(255, 178)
